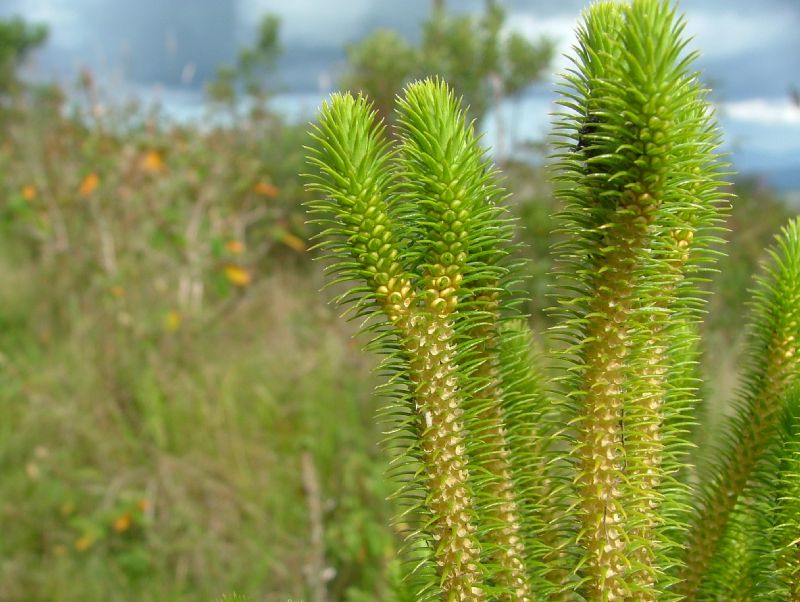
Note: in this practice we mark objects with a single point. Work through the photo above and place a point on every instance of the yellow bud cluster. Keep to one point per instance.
(441, 294)
(397, 297)
(642, 205)
(683, 241)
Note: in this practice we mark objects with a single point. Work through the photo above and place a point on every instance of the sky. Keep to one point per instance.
(750, 49)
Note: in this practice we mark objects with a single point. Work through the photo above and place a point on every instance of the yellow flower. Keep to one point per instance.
(173, 320)
(266, 189)
(89, 184)
(237, 275)
(153, 162)
(83, 543)
(235, 247)
(123, 523)
(294, 242)
(29, 192)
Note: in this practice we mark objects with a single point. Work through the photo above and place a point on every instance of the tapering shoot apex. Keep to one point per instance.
(358, 184)
(452, 197)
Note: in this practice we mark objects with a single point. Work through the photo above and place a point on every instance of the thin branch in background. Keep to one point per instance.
(316, 570)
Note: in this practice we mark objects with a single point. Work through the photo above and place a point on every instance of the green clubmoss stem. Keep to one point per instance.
(503, 511)
(645, 444)
(600, 449)
(758, 427)
(429, 342)
(774, 372)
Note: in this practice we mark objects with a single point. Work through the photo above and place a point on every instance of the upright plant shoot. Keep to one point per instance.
(419, 227)
(515, 490)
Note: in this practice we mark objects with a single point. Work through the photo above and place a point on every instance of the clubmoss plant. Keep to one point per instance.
(754, 436)
(523, 484)
(784, 505)
(637, 156)
(421, 228)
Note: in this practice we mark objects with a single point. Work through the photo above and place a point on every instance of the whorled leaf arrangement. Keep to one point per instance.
(420, 227)
(784, 503)
(743, 480)
(517, 484)
(641, 184)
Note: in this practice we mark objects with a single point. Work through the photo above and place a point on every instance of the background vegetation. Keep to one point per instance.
(183, 415)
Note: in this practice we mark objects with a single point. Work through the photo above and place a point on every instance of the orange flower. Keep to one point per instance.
(294, 242)
(237, 275)
(117, 291)
(266, 189)
(123, 523)
(29, 192)
(84, 543)
(143, 505)
(235, 246)
(89, 184)
(153, 162)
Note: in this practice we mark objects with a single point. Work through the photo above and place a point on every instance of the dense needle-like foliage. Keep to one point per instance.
(516, 483)
(420, 227)
(637, 154)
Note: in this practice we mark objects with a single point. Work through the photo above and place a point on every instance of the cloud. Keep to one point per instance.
(727, 33)
(558, 28)
(763, 111)
(311, 23)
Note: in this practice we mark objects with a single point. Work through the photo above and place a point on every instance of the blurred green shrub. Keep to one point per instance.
(17, 39)
(253, 66)
(473, 54)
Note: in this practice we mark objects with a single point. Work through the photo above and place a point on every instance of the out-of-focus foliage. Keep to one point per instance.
(259, 60)
(254, 65)
(164, 356)
(202, 213)
(756, 216)
(475, 54)
(17, 39)
(380, 65)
